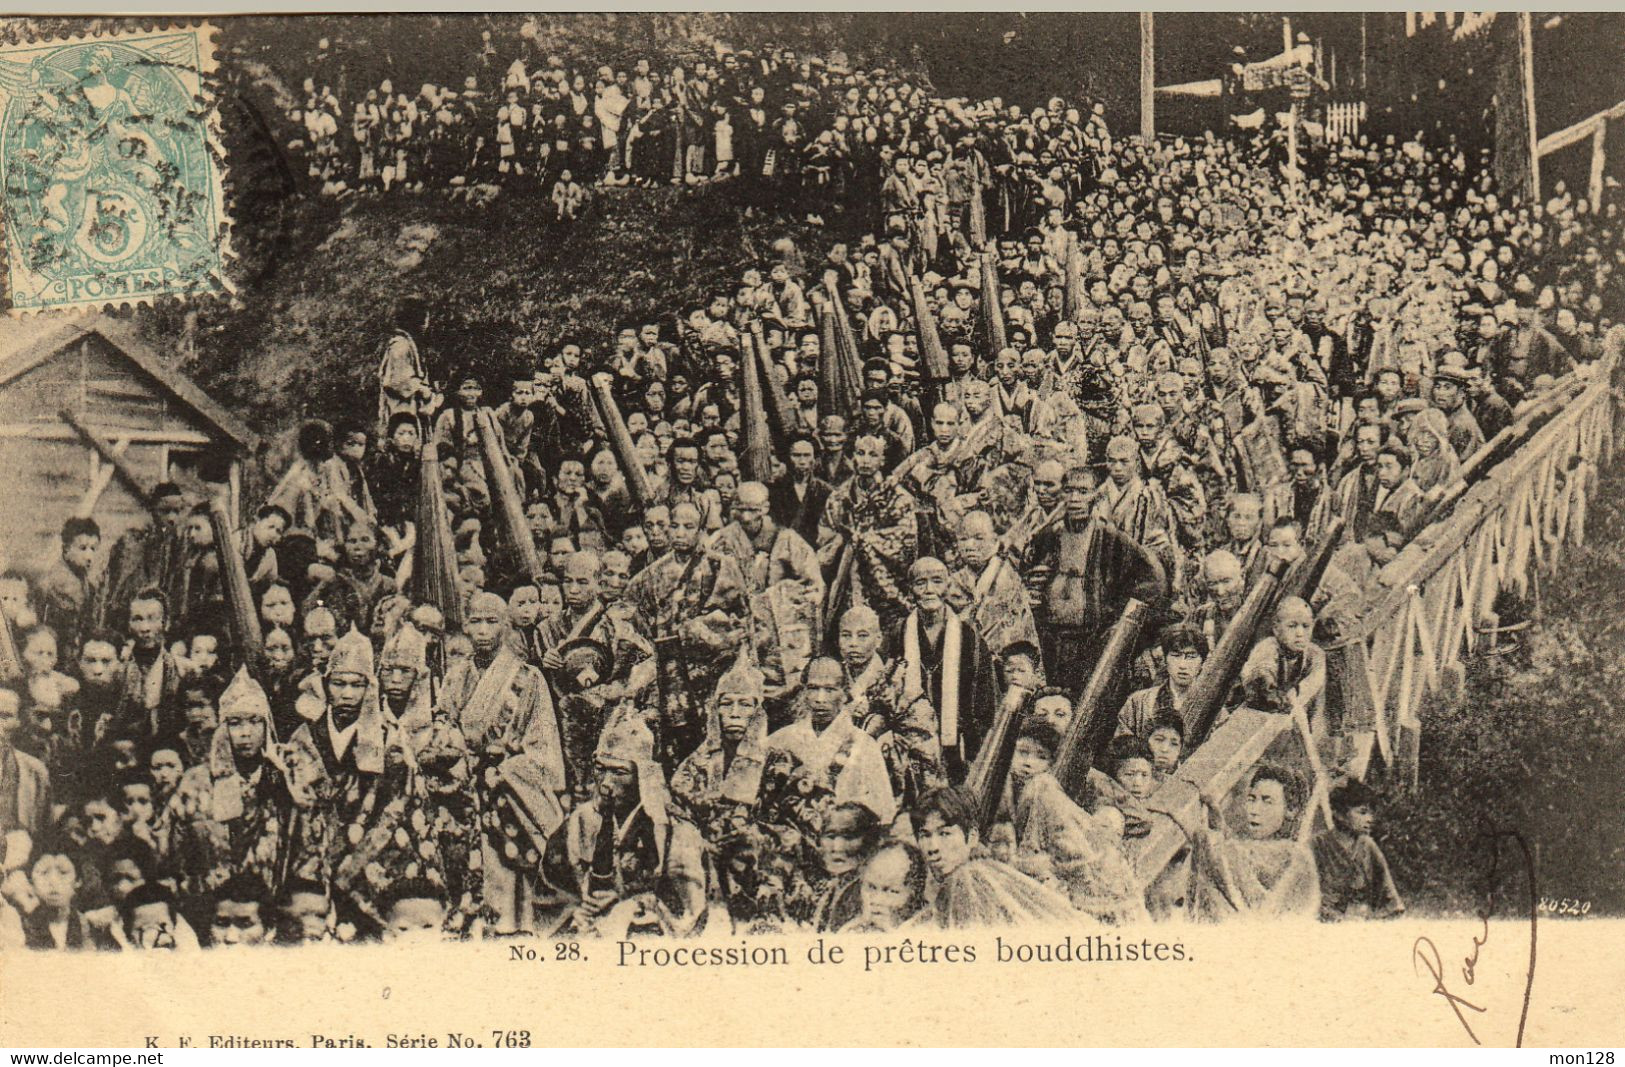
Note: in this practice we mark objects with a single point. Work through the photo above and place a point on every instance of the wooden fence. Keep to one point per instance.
(1344, 121)
(1421, 615)
(1425, 610)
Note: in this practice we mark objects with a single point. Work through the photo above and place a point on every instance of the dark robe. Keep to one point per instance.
(964, 695)
(802, 513)
(1088, 575)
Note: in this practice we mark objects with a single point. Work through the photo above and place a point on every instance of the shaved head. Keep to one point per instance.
(976, 524)
(1221, 563)
(928, 566)
(753, 493)
(583, 564)
(861, 613)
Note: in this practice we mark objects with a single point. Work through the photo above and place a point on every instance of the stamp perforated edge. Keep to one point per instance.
(208, 64)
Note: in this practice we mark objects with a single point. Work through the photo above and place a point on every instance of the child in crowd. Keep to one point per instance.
(1128, 780)
(1166, 740)
(1355, 882)
(56, 922)
(1286, 670)
(568, 197)
(48, 688)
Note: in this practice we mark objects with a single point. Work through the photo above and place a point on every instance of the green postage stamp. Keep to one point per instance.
(112, 170)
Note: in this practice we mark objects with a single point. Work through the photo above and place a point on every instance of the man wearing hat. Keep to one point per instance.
(625, 861)
(349, 755)
(725, 772)
(1450, 396)
(235, 811)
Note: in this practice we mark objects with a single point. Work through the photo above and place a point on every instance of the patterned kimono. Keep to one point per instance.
(995, 602)
(579, 687)
(878, 532)
(507, 720)
(904, 732)
(223, 822)
(843, 760)
(649, 859)
(371, 812)
(689, 609)
(1140, 509)
(1171, 468)
(711, 779)
(787, 592)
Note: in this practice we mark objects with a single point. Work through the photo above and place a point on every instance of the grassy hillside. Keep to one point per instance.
(504, 282)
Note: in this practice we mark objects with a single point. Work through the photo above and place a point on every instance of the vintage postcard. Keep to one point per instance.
(647, 528)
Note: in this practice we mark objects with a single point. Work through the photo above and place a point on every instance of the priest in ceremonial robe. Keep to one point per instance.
(507, 716)
(946, 663)
(988, 588)
(692, 604)
(625, 861)
(829, 747)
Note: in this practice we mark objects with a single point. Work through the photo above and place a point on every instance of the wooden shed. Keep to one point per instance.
(73, 394)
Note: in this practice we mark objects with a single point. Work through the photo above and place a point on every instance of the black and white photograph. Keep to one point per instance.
(654, 485)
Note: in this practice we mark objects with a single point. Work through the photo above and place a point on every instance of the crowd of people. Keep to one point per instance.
(785, 620)
(796, 133)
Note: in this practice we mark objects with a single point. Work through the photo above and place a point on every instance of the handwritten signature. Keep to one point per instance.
(1425, 955)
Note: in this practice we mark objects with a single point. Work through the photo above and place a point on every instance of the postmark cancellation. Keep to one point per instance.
(112, 171)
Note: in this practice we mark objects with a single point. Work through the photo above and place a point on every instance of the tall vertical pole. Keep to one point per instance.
(1599, 156)
(1148, 78)
(1286, 34)
(1362, 51)
(1292, 143)
(1526, 57)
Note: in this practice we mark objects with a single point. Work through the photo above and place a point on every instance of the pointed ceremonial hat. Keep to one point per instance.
(352, 655)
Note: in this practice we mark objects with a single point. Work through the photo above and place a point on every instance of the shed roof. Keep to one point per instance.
(29, 342)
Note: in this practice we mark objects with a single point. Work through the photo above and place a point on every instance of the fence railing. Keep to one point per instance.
(1344, 121)
(1421, 614)
(1426, 606)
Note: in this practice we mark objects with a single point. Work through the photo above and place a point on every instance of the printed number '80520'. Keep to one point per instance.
(1565, 906)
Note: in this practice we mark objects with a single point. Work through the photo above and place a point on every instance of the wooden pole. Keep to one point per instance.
(510, 507)
(1098, 704)
(620, 441)
(241, 614)
(1292, 143)
(1599, 158)
(1363, 57)
(985, 782)
(781, 416)
(755, 440)
(992, 311)
(1208, 693)
(1526, 61)
(435, 568)
(1148, 77)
